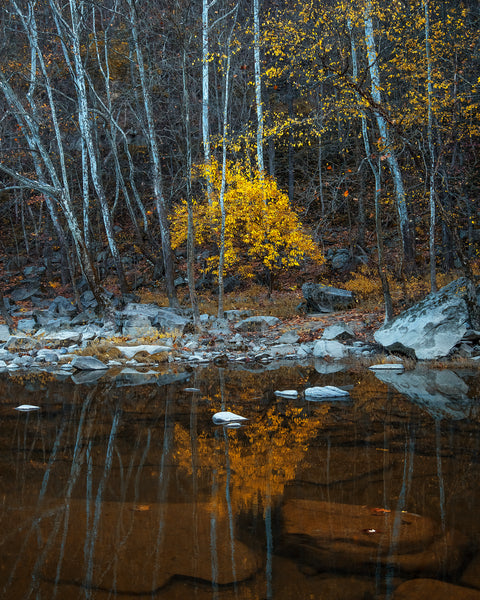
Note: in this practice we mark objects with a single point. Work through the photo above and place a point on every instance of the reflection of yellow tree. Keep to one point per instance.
(261, 457)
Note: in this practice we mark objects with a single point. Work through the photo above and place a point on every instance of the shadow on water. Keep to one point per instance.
(128, 491)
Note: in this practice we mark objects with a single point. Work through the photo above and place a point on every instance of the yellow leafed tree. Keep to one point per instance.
(261, 226)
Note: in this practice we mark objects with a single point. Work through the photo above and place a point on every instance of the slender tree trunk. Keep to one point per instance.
(206, 92)
(389, 152)
(258, 85)
(190, 230)
(382, 271)
(159, 199)
(221, 259)
(85, 123)
(431, 150)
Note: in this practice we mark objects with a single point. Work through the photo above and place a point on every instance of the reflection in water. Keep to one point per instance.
(109, 493)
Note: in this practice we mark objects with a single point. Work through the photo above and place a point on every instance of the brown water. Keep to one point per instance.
(114, 490)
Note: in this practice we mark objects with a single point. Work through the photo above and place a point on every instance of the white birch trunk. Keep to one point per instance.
(258, 85)
(407, 241)
(431, 150)
(221, 259)
(205, 93)
(159, 199)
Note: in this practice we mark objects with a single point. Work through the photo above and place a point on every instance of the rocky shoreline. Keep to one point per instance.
(55, 337)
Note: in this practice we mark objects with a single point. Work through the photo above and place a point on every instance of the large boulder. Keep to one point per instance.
(325, 298)
(434, 326)
(362, 539)
(164, 319)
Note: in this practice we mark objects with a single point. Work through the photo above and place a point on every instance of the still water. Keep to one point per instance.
(123, 489)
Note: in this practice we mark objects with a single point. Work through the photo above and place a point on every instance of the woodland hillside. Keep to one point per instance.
(144, 144)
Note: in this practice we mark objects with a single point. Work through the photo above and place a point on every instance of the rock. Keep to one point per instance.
(47, 355)
(4, 333)
(398, 367)
(26, 325)
(88, 299)
(360, 539)
(17, 343)
(341, 259)
(27, 407)
(3, 364)
(237, 314)
(87, 363)
(6, 355)
(323, 348)
(165, 319)
(140, 547)
(63, 307)
(22, 361)
(324, 392)
(282, 350)
(339, 331)
(221, 418)
(25, 291)
(471, 575)
(50, 322)
(138, 326)
(259, 323)
(420, 589)
(61, 337)
(324, 298)
(130, 351)
(286, 393)
(441, 392)
(289, 337)
(434, 326)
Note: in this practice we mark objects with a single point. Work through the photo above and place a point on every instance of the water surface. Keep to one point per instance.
(118, 490)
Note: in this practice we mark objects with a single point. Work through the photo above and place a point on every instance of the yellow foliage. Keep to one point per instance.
(260, 223)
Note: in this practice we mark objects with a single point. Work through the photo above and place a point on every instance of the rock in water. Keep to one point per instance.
(434, 326)
(226, 417)
(327, 391)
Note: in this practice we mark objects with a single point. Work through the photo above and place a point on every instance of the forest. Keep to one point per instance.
(151, 142)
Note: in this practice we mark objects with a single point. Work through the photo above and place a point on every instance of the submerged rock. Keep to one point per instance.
(419, 589)
(360, 539)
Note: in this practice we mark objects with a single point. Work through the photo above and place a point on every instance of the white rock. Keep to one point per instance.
(130, 351)
(388, 367)
(225, 417)
(286, 393)
(330, 348)
(327, 391)
(27, 407)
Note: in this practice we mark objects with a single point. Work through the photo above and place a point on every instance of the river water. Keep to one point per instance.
(124, 488)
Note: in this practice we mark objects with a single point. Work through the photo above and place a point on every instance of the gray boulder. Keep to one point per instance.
(166, 319)
(434, 326)
(325, 298)
(339, 331)
(259, 323)
(88, 363)
(330, 348)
